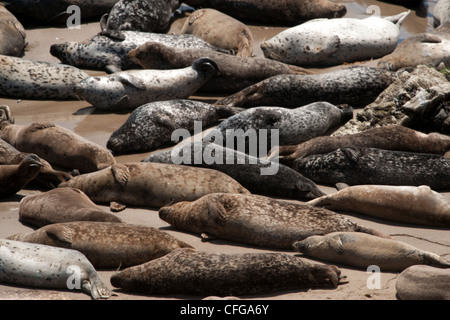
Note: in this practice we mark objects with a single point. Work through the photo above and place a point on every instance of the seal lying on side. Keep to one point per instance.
(254, 174)
(236, 73)
(415, 205)
(220, 30)
(20, 261)
(27, 79)
(128, 90)
(355, 86)
(390, 137)
(61, 205)
(359, 165)
(285, 12)
(152, 184)
(328, 42)
(187, 271)
(14, 177)
(106, 244)
(423, 283)
(256, 220)
(12, 34)
(152, 125)
(362, 250)
(109, 54)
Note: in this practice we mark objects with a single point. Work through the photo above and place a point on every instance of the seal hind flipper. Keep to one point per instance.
(95, 287)
(112, 34)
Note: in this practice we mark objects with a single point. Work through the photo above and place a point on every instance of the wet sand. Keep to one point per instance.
(80, 117)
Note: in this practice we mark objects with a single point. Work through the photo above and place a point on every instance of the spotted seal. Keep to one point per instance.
(220, 30)
(61, 205)
(362, 250)
(152, 124)
(328, 42)
(19, 262)
(188, 271)
(236, 73)
(355, 86)
(130, 89)
(12, 34)
(106, 244)
(152, 184)
(256, 220)
(28, 79)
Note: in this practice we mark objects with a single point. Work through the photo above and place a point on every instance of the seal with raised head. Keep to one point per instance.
(61, 205)
(285, 12)
(43, 266)
(390, 137)
(14, 177)
(187, 271)
(110, 54)
(12, 34)
(362, 250)
(152, 124)
(130, 89)
(407, 204)
(236, 73)
(328, 42)
(355, 86)
(361, 165)
(152, 184)
(256, 220)
(220, 30)
(28, 79)
(106, 244)
(423, 282)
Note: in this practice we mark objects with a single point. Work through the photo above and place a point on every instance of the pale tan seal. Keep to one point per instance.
(407, 204)
(106, 244)
(362, 250)
(220, 30)
(12, 34)
(61, 205)
(187, 271)
(152, 184)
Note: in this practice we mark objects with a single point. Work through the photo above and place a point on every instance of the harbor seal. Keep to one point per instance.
(130, 89)
(14, 177)
(361, 165)
(355, 86)
(110, 54)
(329, 42)
(221, 30)
(12, 34)
(28, 79)
(256, 220)
(20, 261)
(236, 73)
(286, 12)
(362, 250)
(152, 124)
(106, 244)
(407, 204)
(389, 137)
(423, 283)
(61, 205)
(152, 184)
(187, 271)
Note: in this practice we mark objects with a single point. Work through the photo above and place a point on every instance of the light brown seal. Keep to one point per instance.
(12, 34)
(362, 250)
(423, 283)
(256, 220)
(106, 244)
(187, 271)
(61, 205)
(152, 184)
(407, 204)
(221, 30)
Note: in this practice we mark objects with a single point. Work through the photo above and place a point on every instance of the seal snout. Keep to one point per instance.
(58, 49)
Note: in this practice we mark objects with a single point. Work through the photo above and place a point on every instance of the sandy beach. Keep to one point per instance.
(81, 117)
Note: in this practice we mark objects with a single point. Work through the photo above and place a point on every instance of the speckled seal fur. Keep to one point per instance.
(255, 220)
(187, 271)
(106, 244)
